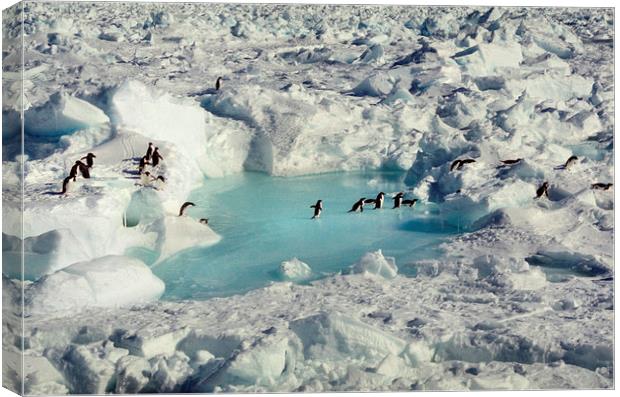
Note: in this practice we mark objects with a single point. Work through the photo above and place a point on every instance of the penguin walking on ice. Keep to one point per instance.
(149, 152)
(65, 184)
(84, 170)
(204, 221)
(359, 205)
(398, 199)
(78, 165)
(156, 157)
(184, 207)
(218, 83)
(458, 164)
(379, 200)
(572, 160)
(143, 162)
(318, 207)
(543, 190)
(89, 159)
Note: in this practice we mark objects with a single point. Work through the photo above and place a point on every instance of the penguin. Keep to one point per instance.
(74, 170)
(398, 200)
(410, 203)
(218, 83)
(318, 207)
(458, 164)
(184, 207)
(65, 184)
(84, 170)
(156, 157)
(149, 152)
(601, 186)
(143, 162)
(379, 201)
(466, 161)
(146, 178)
(569, 163)
(204, 221)
(543, 190)
(510, 162)
(89, 159)
(359, 205)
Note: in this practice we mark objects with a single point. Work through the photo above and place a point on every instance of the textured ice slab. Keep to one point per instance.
(104, 282)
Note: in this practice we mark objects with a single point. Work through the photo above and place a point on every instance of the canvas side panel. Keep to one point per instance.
(12, 199)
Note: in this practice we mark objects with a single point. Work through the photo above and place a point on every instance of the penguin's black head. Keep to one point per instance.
(147, 173)
(381, 194)
(78, 162)
(150, 143)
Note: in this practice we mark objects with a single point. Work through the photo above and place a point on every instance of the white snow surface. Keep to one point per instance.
(522, 300)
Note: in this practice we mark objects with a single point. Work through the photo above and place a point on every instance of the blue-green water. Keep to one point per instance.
(265, 220)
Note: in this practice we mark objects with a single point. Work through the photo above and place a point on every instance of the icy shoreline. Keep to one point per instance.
(346, 92)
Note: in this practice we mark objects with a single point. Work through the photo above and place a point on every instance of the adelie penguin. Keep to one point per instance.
(143, 162)
(149, 152)
(89, 159)
(378, 201)
(204, 221)
(570, 162)
(83, 168)
(184, 207)
(398, 199)
(601, 186)
(359, 205)
(510, 162)
(156, 157)
(458, 164)
(65, 184)
(218, 84)
(543, 190)
(410, 203)
(318, 207)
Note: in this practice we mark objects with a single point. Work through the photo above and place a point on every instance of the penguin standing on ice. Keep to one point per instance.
(65, 184)
(149, 152)
(84, 170)
(218, 83)
(379, 200)
(143, 162)
(204, 221)
(359, 205)
(89, 159)
(543, 190)
(156, 157)
(184, 207)
(398, 199)
(570, 162)
(318, 207)
(74, 170)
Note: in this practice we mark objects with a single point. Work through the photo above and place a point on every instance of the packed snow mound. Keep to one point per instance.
(296, 131)
(159, 116)
(62, 114)
(489, 58)
(377, 85)
(43, 254)
(295, 269)
(177, 233)
(109, 281)
(377, 264)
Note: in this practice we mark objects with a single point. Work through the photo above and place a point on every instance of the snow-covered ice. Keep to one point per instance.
(520, 298)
